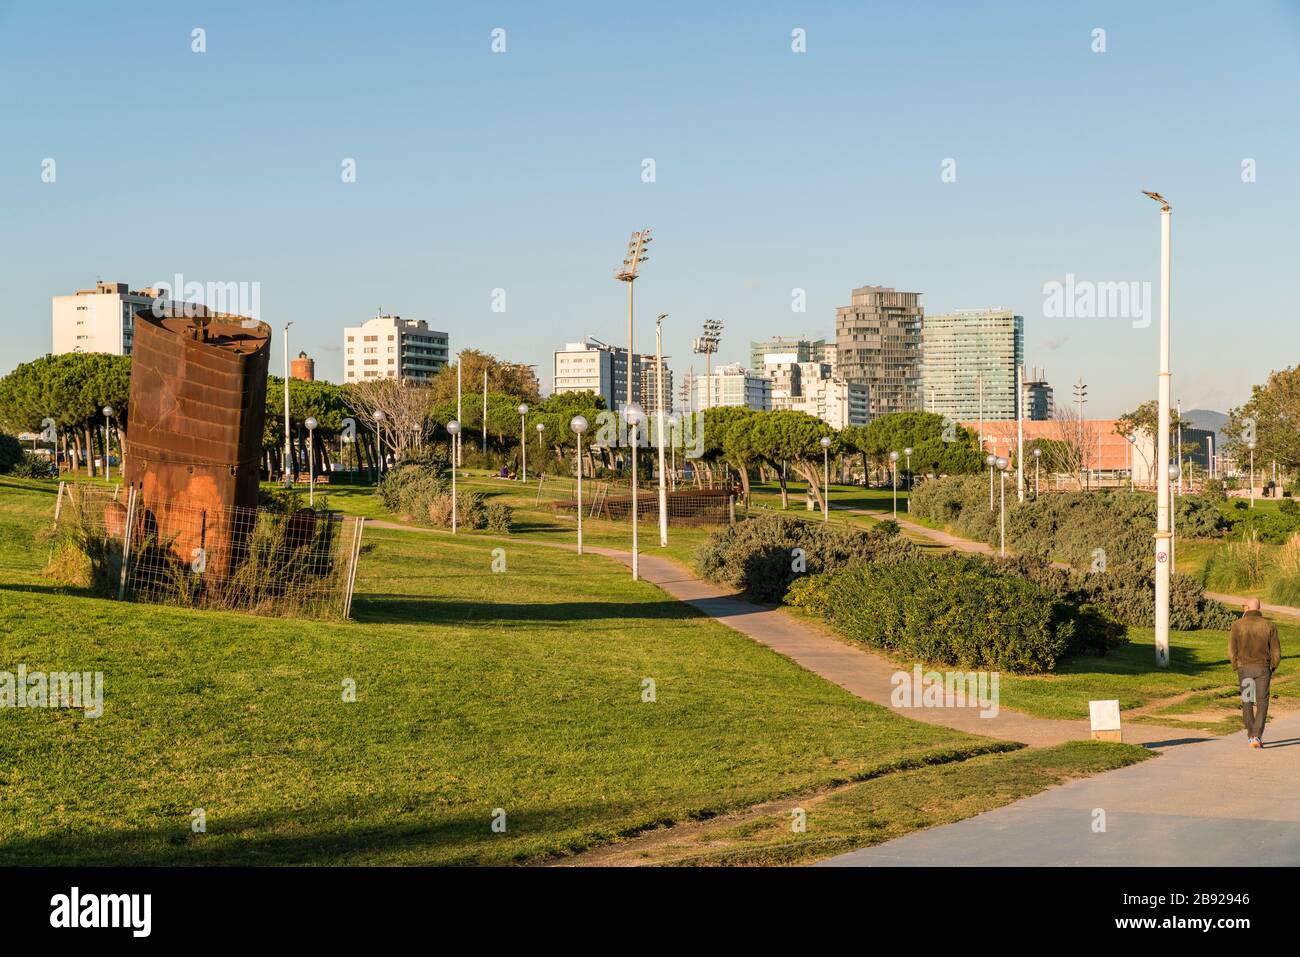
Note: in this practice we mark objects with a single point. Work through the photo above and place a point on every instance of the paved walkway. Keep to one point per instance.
(858, 671)
(1220, 803)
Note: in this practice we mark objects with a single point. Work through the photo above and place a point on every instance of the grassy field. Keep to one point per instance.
(474, 691)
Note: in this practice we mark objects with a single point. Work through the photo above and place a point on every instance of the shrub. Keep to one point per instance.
(411, 486)
(1289, 507)
(1268, 526)
(500, 517)
(958, 609)
(1284, 586)
(32, 466)
(757, 556)
(1237, 565)
(1215, 491)
(471, 511)
(11, 453)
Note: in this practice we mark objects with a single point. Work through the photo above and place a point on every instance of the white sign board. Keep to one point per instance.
(1104, 715)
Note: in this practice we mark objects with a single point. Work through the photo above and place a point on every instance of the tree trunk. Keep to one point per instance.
(785, 491)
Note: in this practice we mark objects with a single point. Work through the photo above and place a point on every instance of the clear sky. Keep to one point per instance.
(774, 170)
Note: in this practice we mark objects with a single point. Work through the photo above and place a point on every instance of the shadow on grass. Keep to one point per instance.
(387, 608)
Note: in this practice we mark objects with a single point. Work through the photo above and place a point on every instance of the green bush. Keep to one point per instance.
(758, 557)
(11, 453)
(1273, 527)
(411, 486)
(1215, 491)
(500, 517)
(471, 510)
(32, 466)
(1289, 507)
(958, 609)
(1235, 566)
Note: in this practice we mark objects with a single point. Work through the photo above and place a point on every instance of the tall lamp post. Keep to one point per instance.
(1175, 475)
(990, 460)
(1038, 454)
(579, 425)
(523, 443)
(108, 466)
(1002, 500)
(288, 446)
(379, 442)
(541, 427)
(825, 442)
(311, 460)
(1164, 533)
(659, 420)
(1020, 433)
(893, 468)
(673, 426)
(1081, 399)
(1251, 445)
(1132, 440)
(908, 452)
(632, 413)
(628, 273)
(453, 429)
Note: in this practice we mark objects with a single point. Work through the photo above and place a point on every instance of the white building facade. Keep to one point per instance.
(100, 319)
(732, 385)
(594, 366)
(390, 347)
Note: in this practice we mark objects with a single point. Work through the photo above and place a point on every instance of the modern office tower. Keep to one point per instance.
(1040, 406)
(99, 319)
(803, 350)
(303, 367)
(594, 366)
(968, 363)
(878, 344)
(732, 385)
(650, 385)
(390, 347)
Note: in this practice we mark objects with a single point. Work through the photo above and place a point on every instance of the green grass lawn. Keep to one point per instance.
(475, 691)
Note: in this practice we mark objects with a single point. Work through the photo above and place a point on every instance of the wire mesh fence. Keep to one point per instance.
(290, 561)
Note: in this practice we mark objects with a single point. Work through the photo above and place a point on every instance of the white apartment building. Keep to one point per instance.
(594, 366)
(390, 347)
(814, 388)
(732, 385)
(100, 319)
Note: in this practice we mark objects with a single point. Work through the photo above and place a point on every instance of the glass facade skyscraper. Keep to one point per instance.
(969, 354)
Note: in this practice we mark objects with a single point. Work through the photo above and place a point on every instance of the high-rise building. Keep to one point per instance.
(1040, 405)
(594, 366)
(969, 362)
(803, 350)
(390, 347)
(732, 385)
(100, 319)
(650, 370)
(303, 367)
(878, 344)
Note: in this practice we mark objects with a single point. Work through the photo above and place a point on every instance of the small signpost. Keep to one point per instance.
(1104, 716)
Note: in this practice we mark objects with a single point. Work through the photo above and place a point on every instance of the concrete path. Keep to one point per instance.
(1220, 803)
(858, 671)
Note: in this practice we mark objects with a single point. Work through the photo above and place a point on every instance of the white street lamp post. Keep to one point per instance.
(1251, 445)
(1038, 454)
(579, 425)
(632, 413)
(908, 452)
(379, 443)
(1020, 433)
(1163, 525)
(311, 460)
(1175, 475)
(659, 418)
(453, 429)
(673, 426)
(108, 466)
(1002, 498)
(523, 443)
(288, 446)
(990, 460)
(541, 427)
(893, 468)
(826, 478)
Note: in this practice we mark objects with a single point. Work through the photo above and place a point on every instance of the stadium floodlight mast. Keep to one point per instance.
(826, 478)
(706, 344)
(893, 468)
(1251, 445)
(1164, 532)
(628, 273)
(311, 424)
(1002, 464)
(108, 466)
(523, 443)
(659, 421)
(579, 425)
(453, 429)
(632, 414)
(990, 460)
(908, 452)
(379, 440)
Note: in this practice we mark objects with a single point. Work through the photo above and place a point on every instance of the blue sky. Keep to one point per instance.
(774, 170)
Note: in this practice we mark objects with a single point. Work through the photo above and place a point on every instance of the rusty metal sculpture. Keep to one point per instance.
(194, 431)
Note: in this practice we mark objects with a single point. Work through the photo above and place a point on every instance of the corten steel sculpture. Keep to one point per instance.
(194, 430)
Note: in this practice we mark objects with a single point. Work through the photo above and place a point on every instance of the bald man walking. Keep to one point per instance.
(1255, 653)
